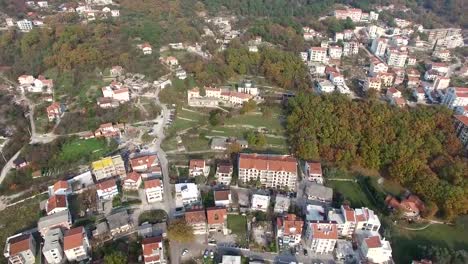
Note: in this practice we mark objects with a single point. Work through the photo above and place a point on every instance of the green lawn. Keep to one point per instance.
(351, 191)
(405, 243)
(92, 148)
(256, 120)
(238, 225)
(195, 143)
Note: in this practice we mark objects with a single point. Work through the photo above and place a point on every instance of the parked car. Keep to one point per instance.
(184, 252)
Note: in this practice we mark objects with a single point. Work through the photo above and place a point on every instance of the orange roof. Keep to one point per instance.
(373, 242)
(73, 238)
(60, 185)
(56, 201)
(216, 215)
(222, 195)
(349, 214)
(106, 184)
(315, 168)
(150, 245)
(53, 107)
(149, 160)
(291, 224)
(324, 230)
(195, 216)
(196, 163)
(393, 90)
(19, 244)
(134, 176)
(152, 183)
(463, 119)
(268, 162)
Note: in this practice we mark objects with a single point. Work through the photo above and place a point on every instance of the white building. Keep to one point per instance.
(377, 66)
(76, 245)
(260, 202)
(376, 250)
(375, 31)
(107, 189)
(372, 83)
(222, 198)
(248, 87)
(228, 259)
(396, 58)
(187, 193)
(456, 97)
(289, 230)
(318, 54)
(24, 25)
(224, 173)
(379, 45)
(366, 220)
(335, 52)
(154, 190)
(313, 172)
(56, 203)
(52, 249)
(274, 171)
(153, 250)
(321, 237)
(325, 86)
(198, 167)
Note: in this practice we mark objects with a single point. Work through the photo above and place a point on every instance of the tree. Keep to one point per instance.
(248, 106)
(115, 257)
(178, 230)
(216, 117)
(267, 112)
(200, 179)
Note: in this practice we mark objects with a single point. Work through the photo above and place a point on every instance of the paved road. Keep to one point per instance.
(8, 166)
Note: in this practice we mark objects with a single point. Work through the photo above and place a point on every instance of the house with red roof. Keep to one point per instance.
(196, 218)
(373, 249)
(217, 219)
(144, 163)
(313, 172)
(56, 203)
(222, 197)
(60, 187)
(411, 206)
(132, 181)
(198, 167)
(393, 92)
(321, 236)
(153, 250)
(54, 111)
(289, 230)
(20, 248)
(145, 48)
(106, 190)
(76, 245)
(154, 190)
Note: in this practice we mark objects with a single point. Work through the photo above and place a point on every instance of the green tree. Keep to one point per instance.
(115, 257)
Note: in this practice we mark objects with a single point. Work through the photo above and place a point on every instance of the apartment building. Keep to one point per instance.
(289, 230)
(260, 202)
(144, 163)
(20, 249)
(372, 83)
(76, 245)
(461, 129)
(345, 219)
(196, 218)
(106, 190)
(154, 190)
(335, 52)
(375, 250)
(318, 54)
(313, 172)
(377, 66)
(396, 58)
(379, 45)
(321, 236)
(186, 193)
(56, 204)
(224, 173)
(217, 219)
(455, 97)
(132, 181)
(153, 250)
(274, 171)
(53, 249)
(366, 220)
(108, 167)
(61, 219)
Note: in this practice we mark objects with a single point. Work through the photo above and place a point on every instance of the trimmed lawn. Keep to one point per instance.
(78, 148)
(405, 243)
(256, 120)
(351, 191)
(238, 225)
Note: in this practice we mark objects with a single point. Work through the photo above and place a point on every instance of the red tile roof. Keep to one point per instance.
(324, 230)
(56, 201)
(222, 195)
(153, 183)
(149, 246)
(196, 163)
(148, 160)
(19, 244)
(73, 238)
(224, 168)
(216, 215)
(60, 185)
(268, 162)
(315, 168)
(349, 214)
(463, 119)
(195, 216)
(106, 184)
(134, 176)
(373, 242)
(291, 224)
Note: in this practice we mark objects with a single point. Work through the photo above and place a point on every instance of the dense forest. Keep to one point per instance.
(416, 148)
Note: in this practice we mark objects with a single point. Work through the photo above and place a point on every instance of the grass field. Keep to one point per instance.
(256, 120)
(405, 243)
(92, 148)
(187, 119)
(351, 191)
(238, 225)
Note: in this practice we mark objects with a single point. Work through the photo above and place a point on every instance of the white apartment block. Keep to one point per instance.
(187, 193)
(321, 236)
(345, 219)
(318, 54)
(335, 52)
(76, 245)
(366, 220)
(375, 31)
(224, 173)
(379, 45)
(52, 249)
(396, 58)
(154, 190)
(377, 66)
(456, 97)
(107, 190)
(24, 25)
(260, 202)
(274, 171)
(325, 86)
(289, 229)
(376, 250)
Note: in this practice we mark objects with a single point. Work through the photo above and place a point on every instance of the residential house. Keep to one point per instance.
(54, 111)
(321, 236)
(456, 96)
(60, 187)
(441, 83)
(377, 66)
(153, 250)
(119, 222)
(170, 61)
(411, 206)
(198, 167)
(350, 48)
(181, 74)
(372, 83)
(26, 79)
(146, 48)
(154, 190)
(21, 249)
(248, 87)
(107, 189)
(106, 103)
(187, 193)
(56, 203)
(108, 167)
(60, 219)
(411, 61)
(335, 52)
(325, 86)
(316, 193)
(376, 250)
(52, 249)
(353, 13)
(413, 73)
(440, 67)
(196, 218)
(224, 173)
(398, 101)
(144, 163)
(419, 94)
(393, 92)
(260, 202)
(217, 219)
(386, 78)
(413, 82)
(275, 171)
(76, 245)
(282, 204)
(116, 71)
(347, 224)
(318, 54)
(289, 230)
(366, 220)
(132, 181)
(313, 172)
(229, 259)
(379, 45)
(461, 129)
(222, 197)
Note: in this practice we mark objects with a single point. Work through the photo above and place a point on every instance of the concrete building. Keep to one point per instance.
(441, 83)
(187, 193)
(217, 219)
(396, 58)
(222, 197)
(456, 96)
(25, 25)
(106, 190)
(153, 250)
(274, 171)
(289, 230)
(119, 222)
(325, 86)
(53, 249)
(366, 220)
(228, 259)
(61, 219)
(313, 172)
(376, 250)
(318, 54)
(248, 87)
(321, 237)
(144, 163)
(317, 193)
(224, 173)
(154, 190)
(461, 129)
(282, 203)
(260, 202)
(20, 249)
(372, 83)
(379, 45)
(196, 218)
(108, 167)
(76, 245)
